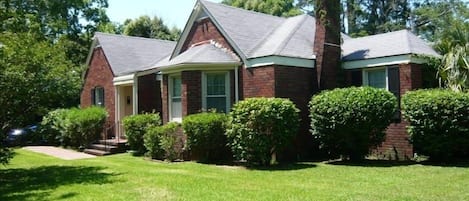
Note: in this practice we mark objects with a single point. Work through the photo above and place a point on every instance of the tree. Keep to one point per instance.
(71, 22)
(35, 77)
(283, 8)
(147, 27)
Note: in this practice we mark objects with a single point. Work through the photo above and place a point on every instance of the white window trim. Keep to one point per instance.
(170, 99)
(365, 75)
(227, 89)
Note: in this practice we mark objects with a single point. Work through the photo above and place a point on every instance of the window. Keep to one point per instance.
(97, 96)
(387, 78)
(376, 78)
(216, 91)
(175, 99)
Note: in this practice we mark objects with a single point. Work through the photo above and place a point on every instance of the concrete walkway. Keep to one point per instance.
(58, 152)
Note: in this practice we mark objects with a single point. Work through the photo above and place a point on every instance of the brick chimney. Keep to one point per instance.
(327, 42)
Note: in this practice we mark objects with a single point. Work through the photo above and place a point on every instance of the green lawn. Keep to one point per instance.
(32, 176)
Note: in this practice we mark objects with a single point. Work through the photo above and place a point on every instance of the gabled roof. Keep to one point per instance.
(127, 54)
(384, 45)
(255, 35)
(208, 53)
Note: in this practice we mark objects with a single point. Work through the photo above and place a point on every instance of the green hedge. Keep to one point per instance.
(258, 128)
(164, 142)
(135, 126)
(349, 122)
(439, 122)
(53, 126)
(83, 126)
(73, 127)
(206, 135)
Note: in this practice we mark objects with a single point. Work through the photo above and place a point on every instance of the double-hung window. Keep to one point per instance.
(97, 96)
(216, 91)
(175, 99)
(387, 78)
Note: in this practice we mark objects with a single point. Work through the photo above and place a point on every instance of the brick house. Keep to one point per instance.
(111, 79)
(227, 54)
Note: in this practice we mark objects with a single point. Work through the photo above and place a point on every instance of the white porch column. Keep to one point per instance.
(135, 95)
(117, 110)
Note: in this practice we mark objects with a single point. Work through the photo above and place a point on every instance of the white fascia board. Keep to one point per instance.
(199, 66)
(383, 61)
(147, 72)
(124, 80)
(279, 60)
(187, 28)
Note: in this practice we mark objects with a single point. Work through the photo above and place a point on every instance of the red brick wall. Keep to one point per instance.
(191, 92)
(149, 94)
(164, 99)
(99, 74)
(396, 144)
(298, 85)
(203, 31)
(258, 82)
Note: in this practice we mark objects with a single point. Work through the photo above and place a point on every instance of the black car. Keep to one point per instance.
(21, 136)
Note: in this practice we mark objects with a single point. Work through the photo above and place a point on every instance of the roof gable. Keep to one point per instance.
(127, 54)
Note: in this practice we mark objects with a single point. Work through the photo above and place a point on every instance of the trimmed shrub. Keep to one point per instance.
(259, 128)
(151, 141)
(206, 135)
(135, 126)
(53, 126)
(349, 122)
(439, 122)
(171, 141)
(83, 126)
(164, 142)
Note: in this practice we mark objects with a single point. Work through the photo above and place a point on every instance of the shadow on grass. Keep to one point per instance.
(38, 183)
(373, 163)
(283, 167)
(454, 163)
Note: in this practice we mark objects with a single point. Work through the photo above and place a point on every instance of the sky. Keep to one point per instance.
(173, 12)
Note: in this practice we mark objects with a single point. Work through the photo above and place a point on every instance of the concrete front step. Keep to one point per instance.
(96, 152)
(103, 147)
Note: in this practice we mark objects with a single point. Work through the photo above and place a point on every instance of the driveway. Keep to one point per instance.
(58, 152)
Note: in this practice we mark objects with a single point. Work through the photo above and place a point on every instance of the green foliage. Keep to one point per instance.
(206, 135)
(259, 128)
(283, 8)
(350, 121)
(5, 155)
(164, 142)
(73, 127)
(152, 141)
(171, 141)
(136, 126)
(36, 77)
(83, 126)
(53, 126)
(147, 27)
(439, 122)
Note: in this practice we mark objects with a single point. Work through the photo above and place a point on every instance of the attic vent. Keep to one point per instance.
(205, 27)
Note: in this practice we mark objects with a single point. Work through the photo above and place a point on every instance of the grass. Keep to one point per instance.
(32, 176)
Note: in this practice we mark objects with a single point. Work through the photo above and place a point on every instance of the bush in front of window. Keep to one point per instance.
(164, 142)
(259, 128)
(52, 127)
(439, 122)
(135, 127)
(349, 122)
(82, 127)
(206, 135)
